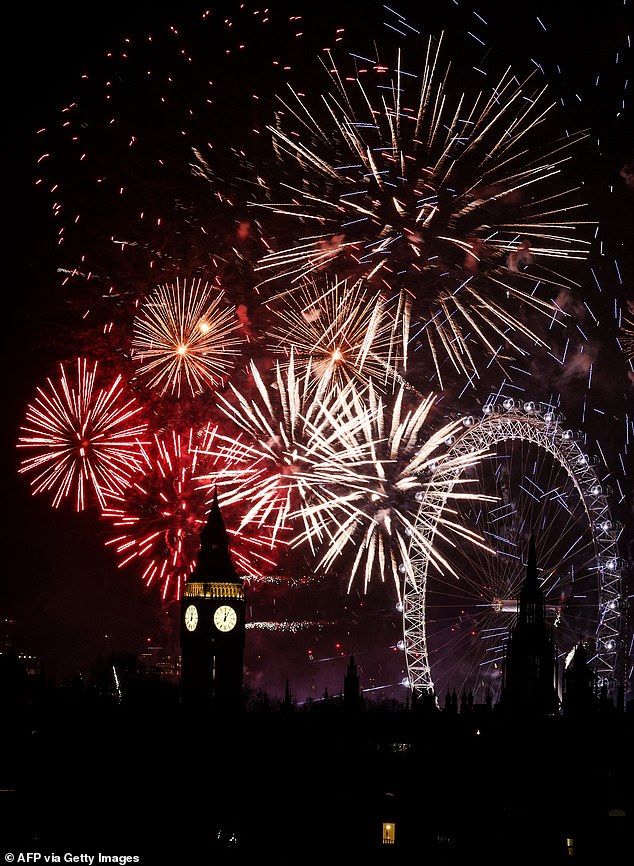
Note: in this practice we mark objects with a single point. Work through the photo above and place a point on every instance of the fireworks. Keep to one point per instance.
(297, 447)
(84, 442)
(453, 202)
(378, 519)
(286, 626)
(626, 338)
(345, 333)
(184, 333)
(161, 513)
(415, 224)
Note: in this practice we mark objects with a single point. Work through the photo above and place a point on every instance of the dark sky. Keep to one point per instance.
(58, 584)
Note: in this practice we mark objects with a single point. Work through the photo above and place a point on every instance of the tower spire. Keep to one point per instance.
(214, 560)
(530, 680)
(531, 567)
(531, 604)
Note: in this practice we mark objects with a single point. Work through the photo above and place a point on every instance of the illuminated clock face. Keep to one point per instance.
(191, 617)
(225, 618)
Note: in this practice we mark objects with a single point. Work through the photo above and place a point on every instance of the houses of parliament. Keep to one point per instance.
(205, 772)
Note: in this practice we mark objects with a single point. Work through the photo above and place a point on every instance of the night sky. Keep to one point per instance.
(59, 583)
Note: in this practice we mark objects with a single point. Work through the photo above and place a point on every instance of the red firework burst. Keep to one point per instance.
(161, 513)
(84, 442)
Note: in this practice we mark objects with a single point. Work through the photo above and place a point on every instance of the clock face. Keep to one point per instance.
(225, 618)
(191, 617)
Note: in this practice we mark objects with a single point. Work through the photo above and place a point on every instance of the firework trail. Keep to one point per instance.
(185, 333)
(285, 626)
(450, 199)
(296, 446)
(84, 442)
(345, 333)
(380, 519)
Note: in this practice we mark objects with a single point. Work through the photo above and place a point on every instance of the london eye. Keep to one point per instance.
(540, 481)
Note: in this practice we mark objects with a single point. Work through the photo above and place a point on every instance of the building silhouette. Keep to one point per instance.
(212, 625)
(530, 672)
(580, 697)
(346, 778)
(352, 696)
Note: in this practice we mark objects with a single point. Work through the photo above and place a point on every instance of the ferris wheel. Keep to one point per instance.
(538, 480)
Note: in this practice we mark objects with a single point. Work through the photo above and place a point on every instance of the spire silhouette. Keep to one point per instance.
(530, 672)
(531, 566)
(531, 603)
(214, 560)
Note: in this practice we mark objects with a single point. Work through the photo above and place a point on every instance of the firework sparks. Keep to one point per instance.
(85, 442)
(296, 446)
(453, 203)
(286, 626)
(184, 333)
(345, 333)
(410, 227)
(162, 511)
(380, 519)
(626, 338)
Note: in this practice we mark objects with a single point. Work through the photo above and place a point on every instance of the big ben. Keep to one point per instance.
(212, 626)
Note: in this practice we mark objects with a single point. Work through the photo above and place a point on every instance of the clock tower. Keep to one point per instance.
(212, 625)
